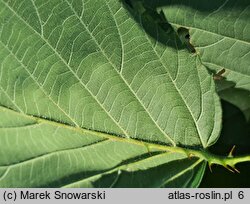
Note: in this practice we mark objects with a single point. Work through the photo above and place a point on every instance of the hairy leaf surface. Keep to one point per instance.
(219, 32)
(88, 99)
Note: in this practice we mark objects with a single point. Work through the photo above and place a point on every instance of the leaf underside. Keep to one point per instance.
(84, 89)
(220, 34)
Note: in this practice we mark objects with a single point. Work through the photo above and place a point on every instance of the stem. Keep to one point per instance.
(228, 162)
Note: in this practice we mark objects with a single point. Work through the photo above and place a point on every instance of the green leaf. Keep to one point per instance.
(88, 99)
(219, 33)
(238, 97)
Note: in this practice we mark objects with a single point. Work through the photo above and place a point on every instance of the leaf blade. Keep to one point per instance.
(65, 71)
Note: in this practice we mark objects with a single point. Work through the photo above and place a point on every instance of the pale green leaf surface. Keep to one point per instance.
(239, 98)
(219, 32)
(82, 85)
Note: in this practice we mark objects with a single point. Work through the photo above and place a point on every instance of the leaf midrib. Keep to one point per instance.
(239, 71)
(211, 32)
(106, 137)
(103, 135)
